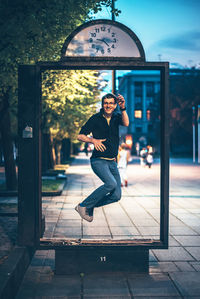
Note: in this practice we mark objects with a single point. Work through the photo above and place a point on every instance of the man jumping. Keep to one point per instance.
(104, 127)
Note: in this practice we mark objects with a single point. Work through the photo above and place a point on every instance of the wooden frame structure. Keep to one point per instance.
(29, 131)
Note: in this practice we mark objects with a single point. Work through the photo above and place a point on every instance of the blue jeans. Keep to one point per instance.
(110, 191)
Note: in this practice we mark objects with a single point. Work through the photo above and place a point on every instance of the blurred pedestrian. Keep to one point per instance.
(86, 148)
(149, 160)
(143, 155)
(123, 158)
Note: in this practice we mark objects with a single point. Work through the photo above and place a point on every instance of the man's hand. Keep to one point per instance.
(99, 146)
(121, 101)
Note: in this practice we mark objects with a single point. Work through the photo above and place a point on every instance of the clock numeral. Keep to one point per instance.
(113, 34)
(114, 40)
(103, 28)
(113, 46)
(108, 30)
(90, 40)
(93, 34)
(93, 46)
(109, 50)
(97, 29)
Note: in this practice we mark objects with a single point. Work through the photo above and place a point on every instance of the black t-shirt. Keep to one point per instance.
(98, 126)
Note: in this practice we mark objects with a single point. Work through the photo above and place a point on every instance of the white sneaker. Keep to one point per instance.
(83, 213)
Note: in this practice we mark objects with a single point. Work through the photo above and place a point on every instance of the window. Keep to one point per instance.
(138, 89)
(148, 114)
(138, 100)
(138, 113)
(150, 89)
(138, 129)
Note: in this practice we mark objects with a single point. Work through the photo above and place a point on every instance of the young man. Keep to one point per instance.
(104, 127)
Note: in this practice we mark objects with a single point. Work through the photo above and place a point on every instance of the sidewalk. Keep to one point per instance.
(173, 273)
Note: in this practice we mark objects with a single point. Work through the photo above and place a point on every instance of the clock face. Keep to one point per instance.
(103, 40)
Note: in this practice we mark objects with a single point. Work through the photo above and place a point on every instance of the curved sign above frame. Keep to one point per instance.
(103, 38)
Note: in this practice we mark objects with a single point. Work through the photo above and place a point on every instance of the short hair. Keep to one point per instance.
(123, 145)
(109, 96)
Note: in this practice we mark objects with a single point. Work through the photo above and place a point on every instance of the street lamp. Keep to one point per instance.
(198, 121)
(193, 131)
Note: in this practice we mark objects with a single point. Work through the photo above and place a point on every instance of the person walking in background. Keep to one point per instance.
(149, 160)
(149, 156)
(86, 148)
(104, 127)
(123, 158)
(143, 155)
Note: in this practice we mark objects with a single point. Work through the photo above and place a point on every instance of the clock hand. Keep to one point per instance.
(102, 40)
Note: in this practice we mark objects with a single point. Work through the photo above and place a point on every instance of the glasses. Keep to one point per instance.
(106, 104)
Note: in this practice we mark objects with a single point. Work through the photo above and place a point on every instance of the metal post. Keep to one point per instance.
(198, 141)
(29, 166)
(113, 71)
(193, 131)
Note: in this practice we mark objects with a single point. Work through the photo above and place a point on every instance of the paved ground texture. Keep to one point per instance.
(173, 273)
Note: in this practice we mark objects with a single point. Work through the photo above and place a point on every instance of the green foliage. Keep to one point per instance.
(35, 30)
(51, 185)
(69, 99)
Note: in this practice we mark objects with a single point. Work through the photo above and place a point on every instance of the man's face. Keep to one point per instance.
(109, 106)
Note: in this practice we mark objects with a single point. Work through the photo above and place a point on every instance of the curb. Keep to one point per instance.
(12, 271)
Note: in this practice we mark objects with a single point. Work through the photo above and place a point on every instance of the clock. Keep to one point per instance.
(103, 38)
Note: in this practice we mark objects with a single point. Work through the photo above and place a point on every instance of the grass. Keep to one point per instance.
(47, 185)
(51, 185)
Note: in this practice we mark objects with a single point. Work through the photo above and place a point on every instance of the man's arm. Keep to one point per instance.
(125, 118)
(99, 146)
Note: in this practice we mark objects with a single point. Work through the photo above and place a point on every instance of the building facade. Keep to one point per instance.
(141, 90)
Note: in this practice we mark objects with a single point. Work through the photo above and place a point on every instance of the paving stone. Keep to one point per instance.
(152, 257)
(105, 285)
(68, 232)
(69, 222)
(195, 265)
(155, 267)
(191, 222)
(152, 285)
(196, 228)
(159, 297)
(194, 251)
(183, 230)
(97, 221)
(189, 240)
(50, 285)
(184, 266)
(187, 283)
(124, 231)
(145, 230)
(173, 242)
(125, 221)
(173, 254)
(98, 231)
(146, 222)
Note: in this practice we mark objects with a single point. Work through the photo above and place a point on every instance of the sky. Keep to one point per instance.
(169, 30)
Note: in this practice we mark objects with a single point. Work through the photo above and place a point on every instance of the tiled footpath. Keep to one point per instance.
(173, 273)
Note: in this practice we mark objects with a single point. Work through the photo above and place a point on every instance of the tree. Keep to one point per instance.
(32, 31)
(69, 99)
